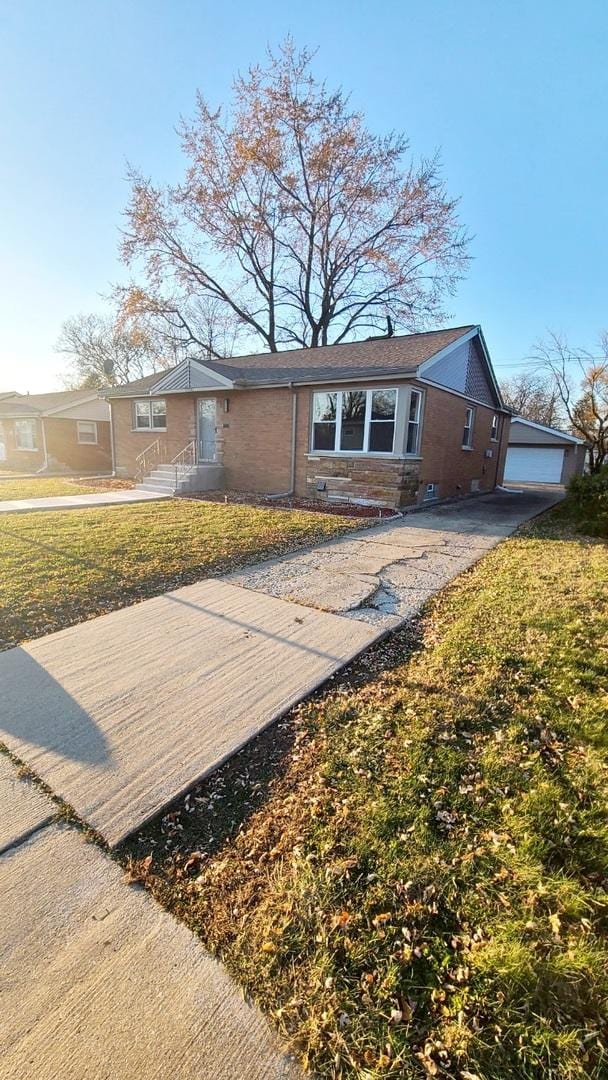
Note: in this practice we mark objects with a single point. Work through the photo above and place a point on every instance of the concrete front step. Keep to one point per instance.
(165, 486)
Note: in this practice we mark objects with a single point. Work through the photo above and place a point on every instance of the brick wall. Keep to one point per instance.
(21, 460)
(64, 450)
(255, 437)
(444, 462)
(128, 443)
(254, 445)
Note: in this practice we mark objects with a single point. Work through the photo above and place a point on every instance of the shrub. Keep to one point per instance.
(588, 502)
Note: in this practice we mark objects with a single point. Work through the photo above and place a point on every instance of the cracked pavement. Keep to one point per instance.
(384, 574)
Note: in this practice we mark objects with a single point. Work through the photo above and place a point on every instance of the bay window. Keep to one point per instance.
(354, 421)
(412, 443)
(150, 414)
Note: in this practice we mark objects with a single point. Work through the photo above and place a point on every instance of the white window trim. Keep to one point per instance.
(416, 452)
(25, 449)
(87, 442)
(148, 402)
(495, 438)
(368, 391)
(470, 409)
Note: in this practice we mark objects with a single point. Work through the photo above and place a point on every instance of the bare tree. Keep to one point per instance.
(581, 380)
(531, 396)
(104, 352)
(303, 227)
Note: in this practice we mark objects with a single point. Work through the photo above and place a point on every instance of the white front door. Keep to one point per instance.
(205, 428)
(535, 464)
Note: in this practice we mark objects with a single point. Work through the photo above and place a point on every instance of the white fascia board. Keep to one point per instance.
(448, 349)
(549, 430)
(211, 374)
(475, 332)
(465, 397)
(488, 361)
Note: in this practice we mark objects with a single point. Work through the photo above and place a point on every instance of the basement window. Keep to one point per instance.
(87, 431)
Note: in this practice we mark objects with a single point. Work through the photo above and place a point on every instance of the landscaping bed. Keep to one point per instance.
(410, 872)
(341, 509)
(59, 568)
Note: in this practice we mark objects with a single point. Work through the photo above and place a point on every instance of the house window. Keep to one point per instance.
(87, 431)
(25, 435)
(150, 414)
(324, 421)
(413, 422)
(382, 421)
(354, 421)
(467, 435)
(494, 429)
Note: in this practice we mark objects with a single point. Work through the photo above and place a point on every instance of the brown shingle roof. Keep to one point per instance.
(36, 404)
(138, 385)
(353, 359)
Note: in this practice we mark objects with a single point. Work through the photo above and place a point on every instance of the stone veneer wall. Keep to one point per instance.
(363, 480)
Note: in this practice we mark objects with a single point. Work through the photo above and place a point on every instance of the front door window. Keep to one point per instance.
(206, 429)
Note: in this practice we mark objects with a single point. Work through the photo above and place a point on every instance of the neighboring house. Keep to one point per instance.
(388, 421)
(67, 431)
(542, 455)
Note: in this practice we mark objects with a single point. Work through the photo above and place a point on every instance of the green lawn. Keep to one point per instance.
(58, 568)
(40, 487)
(411, 873)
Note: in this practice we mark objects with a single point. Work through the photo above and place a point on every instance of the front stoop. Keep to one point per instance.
(183, 479)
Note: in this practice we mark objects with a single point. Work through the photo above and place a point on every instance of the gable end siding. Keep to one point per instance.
(464, 369)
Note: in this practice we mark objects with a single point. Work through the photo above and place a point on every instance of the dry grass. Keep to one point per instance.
(58, 568)
(410, 874)
(41, 487)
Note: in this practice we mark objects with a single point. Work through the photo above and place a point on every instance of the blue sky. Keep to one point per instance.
(513, 94)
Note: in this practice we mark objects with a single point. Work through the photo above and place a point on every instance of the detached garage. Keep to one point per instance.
(541, 455)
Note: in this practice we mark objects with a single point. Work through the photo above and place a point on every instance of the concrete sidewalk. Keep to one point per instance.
(121, 714)
(78, 502)
(97, 980)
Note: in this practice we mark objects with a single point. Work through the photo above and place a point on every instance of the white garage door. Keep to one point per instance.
(536, 464)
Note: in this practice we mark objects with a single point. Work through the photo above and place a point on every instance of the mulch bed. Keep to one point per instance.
(339, 509)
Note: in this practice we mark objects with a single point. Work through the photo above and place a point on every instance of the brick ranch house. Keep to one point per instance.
(68, 431)
(390, 421)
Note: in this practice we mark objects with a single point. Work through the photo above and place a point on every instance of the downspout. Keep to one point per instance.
(43, 468)
(112, 442)
(503, 428)
(292, 471)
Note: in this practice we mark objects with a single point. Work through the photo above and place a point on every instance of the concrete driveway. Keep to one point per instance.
(123, 713)
(384, 575)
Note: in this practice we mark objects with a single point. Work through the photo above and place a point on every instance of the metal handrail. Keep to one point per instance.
(141, 460)
(185, 459)
(157, 454)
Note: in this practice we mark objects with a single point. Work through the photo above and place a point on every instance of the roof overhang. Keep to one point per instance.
(474, 332)
(548, 430)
